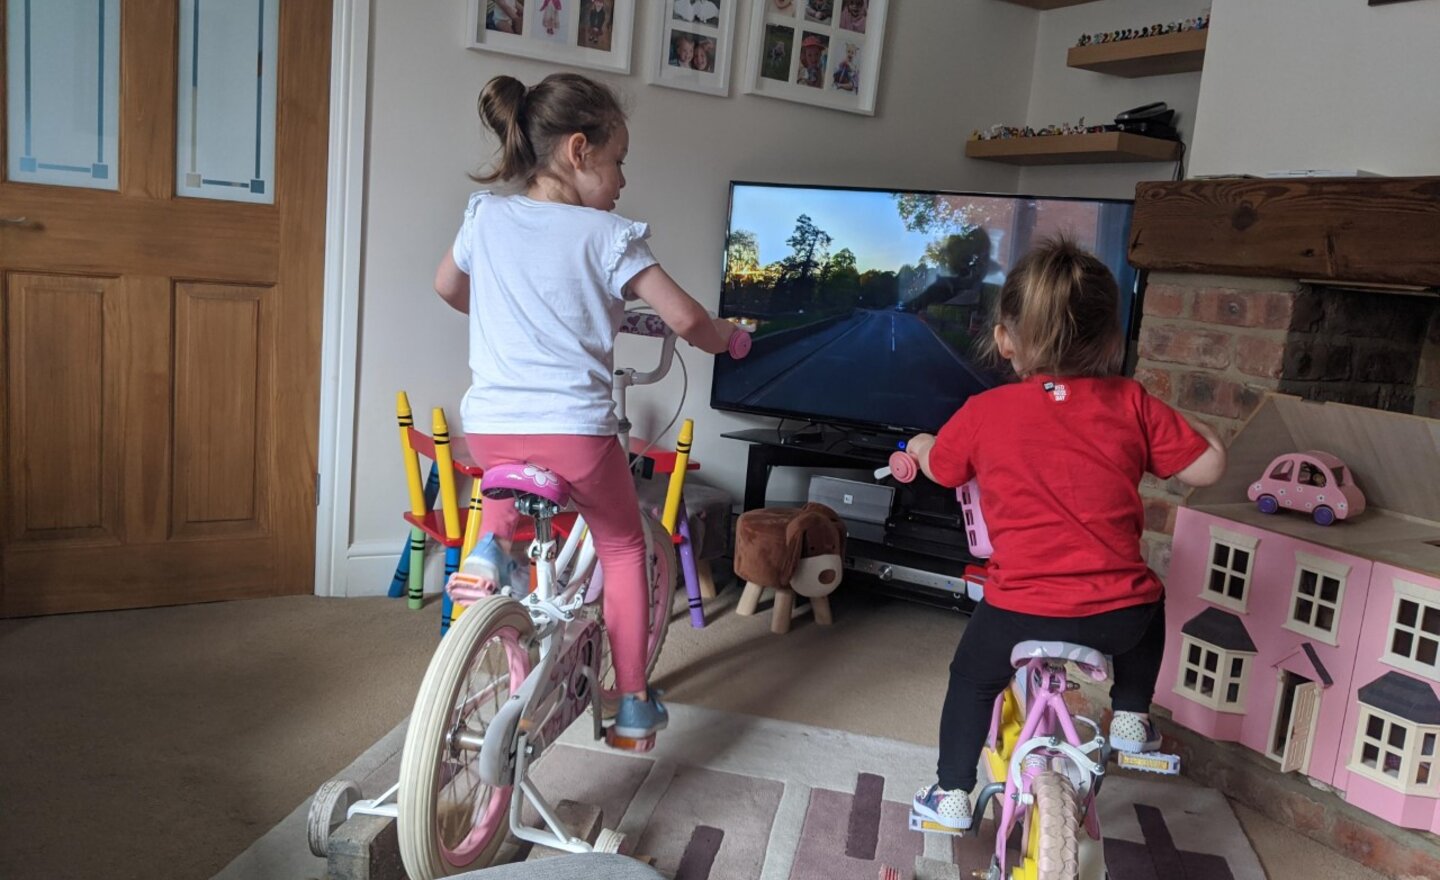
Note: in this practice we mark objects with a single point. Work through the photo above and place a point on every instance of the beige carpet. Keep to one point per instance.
(161, 743)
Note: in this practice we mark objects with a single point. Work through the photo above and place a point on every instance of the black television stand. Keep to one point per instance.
(880, 441)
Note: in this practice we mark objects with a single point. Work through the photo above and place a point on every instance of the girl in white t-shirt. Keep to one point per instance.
(543, 276)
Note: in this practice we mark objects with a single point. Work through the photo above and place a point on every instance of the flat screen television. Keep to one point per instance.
(867, 305)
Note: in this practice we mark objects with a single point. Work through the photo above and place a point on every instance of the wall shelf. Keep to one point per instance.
(1182, 52)
(1075, 149)
(1048, 4)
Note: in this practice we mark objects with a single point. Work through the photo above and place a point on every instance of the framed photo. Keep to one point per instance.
(581, 33)
(695, 40)
(820, 52)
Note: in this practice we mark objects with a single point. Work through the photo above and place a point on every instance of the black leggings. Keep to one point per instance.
(1134, 637)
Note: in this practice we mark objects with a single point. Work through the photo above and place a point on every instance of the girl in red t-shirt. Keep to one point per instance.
(1059, 456)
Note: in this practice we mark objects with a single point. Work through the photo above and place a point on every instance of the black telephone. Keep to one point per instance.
(1151, 120)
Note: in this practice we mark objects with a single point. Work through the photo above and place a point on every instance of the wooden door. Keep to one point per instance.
(1302, 723)
(160, 353)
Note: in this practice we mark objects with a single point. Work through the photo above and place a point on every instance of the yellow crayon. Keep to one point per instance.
(449, 504)
(412, 464)
(677, 476)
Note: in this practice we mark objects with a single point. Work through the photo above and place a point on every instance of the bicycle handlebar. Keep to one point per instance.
(903, 466)
(652, 325)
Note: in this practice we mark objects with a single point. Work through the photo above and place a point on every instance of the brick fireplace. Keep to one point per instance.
(1326, 289)
(1213, 345)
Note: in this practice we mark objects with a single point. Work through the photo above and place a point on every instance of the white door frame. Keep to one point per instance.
(339, 364)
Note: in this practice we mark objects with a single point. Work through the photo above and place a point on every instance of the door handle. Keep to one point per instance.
(21, 222)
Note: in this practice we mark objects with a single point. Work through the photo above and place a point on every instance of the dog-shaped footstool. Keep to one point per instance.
(789, 550)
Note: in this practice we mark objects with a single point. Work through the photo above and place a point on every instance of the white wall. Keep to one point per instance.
(949, 67)
(1063, 94)
(1327, 84)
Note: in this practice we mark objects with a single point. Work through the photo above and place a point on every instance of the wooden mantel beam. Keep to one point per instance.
(1380, 230)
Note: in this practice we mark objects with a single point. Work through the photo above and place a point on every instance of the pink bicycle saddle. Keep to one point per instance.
(1090, 661)
(513, 479)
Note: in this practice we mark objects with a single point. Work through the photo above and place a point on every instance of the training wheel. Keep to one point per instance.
(609, 841)
(328, 811)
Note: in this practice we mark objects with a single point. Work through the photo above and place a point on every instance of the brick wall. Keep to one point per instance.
(1212, 346)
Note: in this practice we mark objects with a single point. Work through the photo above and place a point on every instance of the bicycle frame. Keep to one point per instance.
(1048, 729)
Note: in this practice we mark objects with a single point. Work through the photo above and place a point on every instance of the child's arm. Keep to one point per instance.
(453, 285)
(1210, 466)
(680, 311)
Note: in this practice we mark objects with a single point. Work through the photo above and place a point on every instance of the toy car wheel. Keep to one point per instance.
(1267, 504)
(1324, 515)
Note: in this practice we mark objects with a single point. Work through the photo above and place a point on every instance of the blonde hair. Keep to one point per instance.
(531, 121)
(1060, 305)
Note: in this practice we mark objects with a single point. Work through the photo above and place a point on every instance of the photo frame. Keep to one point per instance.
(825, 53)
(581, 33)
(694, 42)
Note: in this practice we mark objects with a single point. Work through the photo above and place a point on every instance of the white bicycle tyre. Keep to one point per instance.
(1057, 818)
(422, 755)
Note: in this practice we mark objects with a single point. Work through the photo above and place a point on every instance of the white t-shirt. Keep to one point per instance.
(546, 283)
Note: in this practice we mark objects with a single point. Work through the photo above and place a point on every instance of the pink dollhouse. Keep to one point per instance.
(1318, 647)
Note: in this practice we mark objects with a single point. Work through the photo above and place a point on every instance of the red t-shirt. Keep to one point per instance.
(1059, 463)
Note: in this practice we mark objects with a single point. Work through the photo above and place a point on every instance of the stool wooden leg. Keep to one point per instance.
(749, 599)
(706, 576)
(821, 604)
(784, 607)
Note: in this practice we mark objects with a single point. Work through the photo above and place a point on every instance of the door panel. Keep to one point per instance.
(1297, 745)
(161, 354)
(61, 463)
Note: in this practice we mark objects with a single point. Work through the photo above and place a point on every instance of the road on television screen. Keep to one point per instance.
(868, 368)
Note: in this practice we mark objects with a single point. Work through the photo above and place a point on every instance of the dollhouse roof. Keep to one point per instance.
(1393, 457)
(1221, 629)
(1312, 658)
(1404, 696)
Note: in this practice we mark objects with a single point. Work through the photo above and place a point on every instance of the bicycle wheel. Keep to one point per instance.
(661, 568)
(1053, 850)
(449, 820)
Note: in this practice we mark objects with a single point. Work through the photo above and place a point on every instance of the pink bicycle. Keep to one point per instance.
(1045, 774)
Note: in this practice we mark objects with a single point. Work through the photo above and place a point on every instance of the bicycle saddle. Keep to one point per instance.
(1090, 661)
(513, 479)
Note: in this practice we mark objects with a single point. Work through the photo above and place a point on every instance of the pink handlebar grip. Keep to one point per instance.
(739, 344)
(903, 466)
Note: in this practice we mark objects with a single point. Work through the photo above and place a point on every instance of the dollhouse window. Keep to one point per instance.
(1212, 676)
(1415, 631)
(1227, 575)
(1316, 597)
(1395, 752)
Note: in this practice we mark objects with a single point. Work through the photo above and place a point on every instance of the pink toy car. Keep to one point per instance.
(1317, 483)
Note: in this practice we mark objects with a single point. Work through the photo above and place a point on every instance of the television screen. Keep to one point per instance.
(868, 305)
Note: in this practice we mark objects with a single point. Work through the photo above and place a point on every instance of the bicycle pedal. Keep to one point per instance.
(921, 823)
(1149, 762)
(628, 744)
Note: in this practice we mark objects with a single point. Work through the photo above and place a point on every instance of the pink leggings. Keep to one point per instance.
(604, 493)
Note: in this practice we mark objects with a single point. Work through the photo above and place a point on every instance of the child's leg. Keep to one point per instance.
(1138, 667)
(979, 673)
(499, 516)
(604, 492)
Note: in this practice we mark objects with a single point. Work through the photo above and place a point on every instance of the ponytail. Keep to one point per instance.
(1060, 307)
(531, 122)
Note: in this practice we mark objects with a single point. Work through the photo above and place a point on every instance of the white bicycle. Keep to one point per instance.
(512, 674)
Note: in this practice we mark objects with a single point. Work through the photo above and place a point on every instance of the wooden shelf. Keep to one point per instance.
(1075, 149)
(1183, 52)
(1048, 4)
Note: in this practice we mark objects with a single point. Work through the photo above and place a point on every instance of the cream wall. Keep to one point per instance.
(949, 66)
(1327, 84)
(1063, 94)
